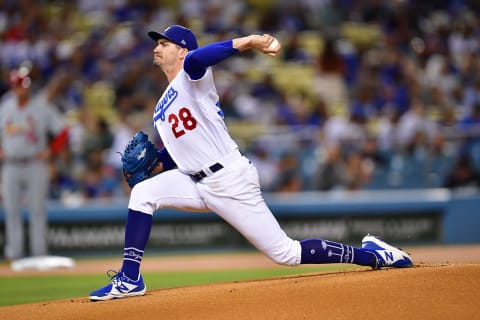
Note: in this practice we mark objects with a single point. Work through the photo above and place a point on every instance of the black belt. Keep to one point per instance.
(19, 161)
(197, 176)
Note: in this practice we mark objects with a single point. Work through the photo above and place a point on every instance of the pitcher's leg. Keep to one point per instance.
(317, 251)
(169, 189)
(262, 230)
(259, 226)
(137, 232)
(241, 204)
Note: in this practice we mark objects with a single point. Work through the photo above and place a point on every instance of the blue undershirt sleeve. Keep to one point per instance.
(166, 160)
(197, 61)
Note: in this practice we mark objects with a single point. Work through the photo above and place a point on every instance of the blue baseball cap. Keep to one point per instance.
(177, 34)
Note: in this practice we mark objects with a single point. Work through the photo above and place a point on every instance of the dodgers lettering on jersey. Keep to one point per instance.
(162, 105)
(190, 123)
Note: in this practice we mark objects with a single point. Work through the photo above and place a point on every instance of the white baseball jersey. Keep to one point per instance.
(190, 123)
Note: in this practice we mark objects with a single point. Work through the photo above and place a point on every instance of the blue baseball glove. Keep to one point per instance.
(139, 159)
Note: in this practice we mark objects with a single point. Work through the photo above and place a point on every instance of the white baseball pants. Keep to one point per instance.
(233, 193)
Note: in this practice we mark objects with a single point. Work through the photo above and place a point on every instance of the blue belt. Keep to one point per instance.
(199, 175)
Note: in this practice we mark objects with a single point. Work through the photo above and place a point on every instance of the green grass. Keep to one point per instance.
(39, 288)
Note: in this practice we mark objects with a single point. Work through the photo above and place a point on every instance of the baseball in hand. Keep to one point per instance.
(274, 45)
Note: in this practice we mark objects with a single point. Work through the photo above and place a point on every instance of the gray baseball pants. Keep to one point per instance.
(25, 186)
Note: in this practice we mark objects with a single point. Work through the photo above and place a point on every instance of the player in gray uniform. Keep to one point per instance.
(26, 122)
(212, 174)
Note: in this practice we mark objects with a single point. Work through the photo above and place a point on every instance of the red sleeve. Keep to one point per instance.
(59, 142)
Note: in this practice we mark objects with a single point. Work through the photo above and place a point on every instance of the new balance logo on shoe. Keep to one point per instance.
(387, 255)
(124, 287)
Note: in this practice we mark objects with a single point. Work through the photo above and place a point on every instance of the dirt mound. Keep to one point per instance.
(427, 291)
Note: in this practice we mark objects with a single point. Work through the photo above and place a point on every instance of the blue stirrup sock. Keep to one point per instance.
(137, 232)
(318, 251)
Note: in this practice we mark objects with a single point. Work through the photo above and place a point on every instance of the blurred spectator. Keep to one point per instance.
(128, 124)
(463, 39)
(329, 175)
(472, 95)
(268, 167)
(63, 179)
(372, 154)
(369, 64)
(296, 110)
(344, 169)
(244, 104)
(292, 51)
(98, 180)
(97, 136)
(357, 171)
(346, 132)
(288, 177)
(415, 129)
(463, 176)
(329, 82)
(265, 90)
(387, 130)
(330, 61)
(470, 129)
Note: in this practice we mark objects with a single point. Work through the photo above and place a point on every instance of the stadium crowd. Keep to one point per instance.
(365, 94)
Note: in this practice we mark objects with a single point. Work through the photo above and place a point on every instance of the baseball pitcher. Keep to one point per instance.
(211, 174)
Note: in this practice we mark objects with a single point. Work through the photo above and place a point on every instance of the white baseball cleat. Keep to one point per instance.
(387, 255)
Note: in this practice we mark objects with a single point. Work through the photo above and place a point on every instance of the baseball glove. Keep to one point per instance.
(139, 159)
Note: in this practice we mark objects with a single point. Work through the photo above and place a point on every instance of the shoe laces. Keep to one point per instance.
(116, 277)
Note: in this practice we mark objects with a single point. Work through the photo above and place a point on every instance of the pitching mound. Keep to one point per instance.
(427, 291)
